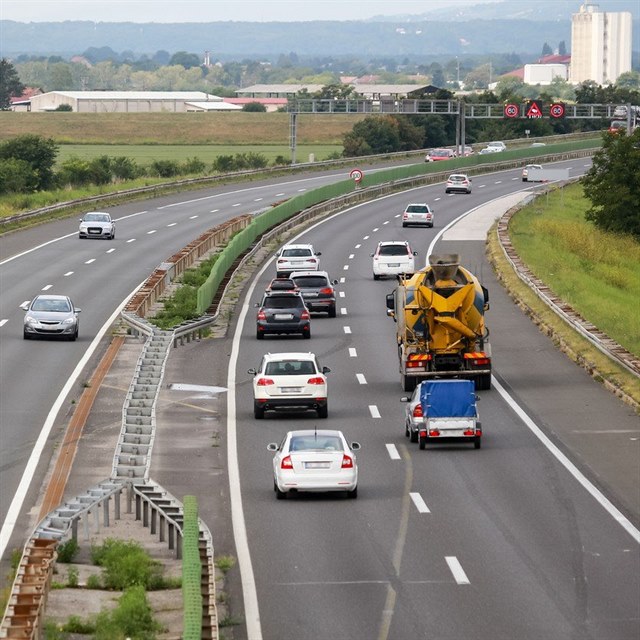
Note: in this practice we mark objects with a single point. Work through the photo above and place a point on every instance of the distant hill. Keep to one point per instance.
(512, 26)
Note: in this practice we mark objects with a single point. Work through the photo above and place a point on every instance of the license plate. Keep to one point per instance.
(317, 465)
(394, 264)
(291, 389)
(310, 295)
(283, 316)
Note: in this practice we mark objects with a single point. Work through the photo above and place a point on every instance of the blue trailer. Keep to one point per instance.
(450, 412)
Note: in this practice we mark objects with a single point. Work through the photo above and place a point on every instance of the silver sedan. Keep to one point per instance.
(51, 315)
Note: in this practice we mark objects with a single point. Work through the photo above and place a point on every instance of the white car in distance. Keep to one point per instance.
(314, 460)
(296, 257)
(290, 382)
(97, 224)
(393, 258)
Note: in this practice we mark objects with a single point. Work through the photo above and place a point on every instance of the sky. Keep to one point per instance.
(214, 10)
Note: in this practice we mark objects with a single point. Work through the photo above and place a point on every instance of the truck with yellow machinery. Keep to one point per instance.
(440, 325)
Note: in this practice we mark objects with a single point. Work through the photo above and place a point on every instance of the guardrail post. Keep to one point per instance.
(138, 507)
(74, 529)
(154, 519)
(145, 514)
(85, 524)
(105, 511)
(129, 498)
(116, 503)
(161, 527)
(171, 531)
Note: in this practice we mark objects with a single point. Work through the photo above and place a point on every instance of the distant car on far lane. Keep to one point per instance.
(418, 214)
(439, 154)
(96, 224)
(458, 183)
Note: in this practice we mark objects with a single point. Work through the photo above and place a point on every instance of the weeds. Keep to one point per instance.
(67, 550)
(225, 563)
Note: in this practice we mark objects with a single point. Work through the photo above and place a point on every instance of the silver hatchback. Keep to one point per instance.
(50, 315)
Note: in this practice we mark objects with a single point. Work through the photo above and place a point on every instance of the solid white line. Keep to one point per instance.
(69, 273)
(456, 569)
(27, 476)
(47, 287)
(373, 410)
(3, 322)
(421, 505)
(90, 261)
(361, 379)
(352, 352)
(393, 452)
(568, 465)
(347, 329)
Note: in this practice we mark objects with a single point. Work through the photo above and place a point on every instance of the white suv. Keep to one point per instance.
(289, 381)
(497, 146)
(296, 257)
(392, 258)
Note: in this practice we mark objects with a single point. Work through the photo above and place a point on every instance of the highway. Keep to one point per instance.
(445, 543)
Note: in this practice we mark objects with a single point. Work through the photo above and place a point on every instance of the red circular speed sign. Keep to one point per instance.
(356, 175)
(556, 110)
(511, 110)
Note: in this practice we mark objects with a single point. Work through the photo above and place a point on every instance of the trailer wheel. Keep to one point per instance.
(477, 443)
(423, 443)
(414, 436)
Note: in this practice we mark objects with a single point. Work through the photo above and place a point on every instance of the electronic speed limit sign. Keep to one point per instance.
(556, 110)
(511, 111)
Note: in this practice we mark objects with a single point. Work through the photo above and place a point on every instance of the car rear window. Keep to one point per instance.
(282, 302)
(296, 253)
(290, 368)
(417, 208)
(315, 443)
(457, 179)
(311, 282)
(393, 250)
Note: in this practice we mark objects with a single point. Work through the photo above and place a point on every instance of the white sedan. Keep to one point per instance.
(315, 460)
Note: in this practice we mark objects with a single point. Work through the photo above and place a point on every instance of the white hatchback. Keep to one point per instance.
(290, 382)
(315, 460)
(296, 257)
(392, 258)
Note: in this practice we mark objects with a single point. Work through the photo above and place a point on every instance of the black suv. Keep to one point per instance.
(282, 312)
(317, 290)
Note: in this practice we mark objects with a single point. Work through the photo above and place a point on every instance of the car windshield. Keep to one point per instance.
(282, 302)
(57, 306)
(440, 152)
(296, 253)
(393, 250)
(417, 208)
(457, 178)
(311, 282)
(290, 368)
(315, 443)
(96, 217)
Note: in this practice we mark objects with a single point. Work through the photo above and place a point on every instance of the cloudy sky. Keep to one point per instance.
(213, 10)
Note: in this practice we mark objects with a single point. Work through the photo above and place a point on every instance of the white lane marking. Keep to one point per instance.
(374, 411)
(47, 287)
(346, 267)
(357, 246)
(436, 199)
(498, 182)
(568, 465)
(343, 311)
(352, 256)
(393, 452)
(173, 224)
(279, 194)
(151, 232)
(342, 280)
(34, 459)
(397, 215)
(352, 352)
(456, 569)
(376, 229)
(386, 222)
(255, 200)
(341, 294)
(214, 210)
(421, 505)
(482, 186)
(360, 378)
(347, 329)
(25, 302)
(516, 178)
(192, 217)
(238, 204)
(90, 261)
(69, 273)
(304, 189)
(131, 240)
(3, 322)
(365, 238)
(109, 250)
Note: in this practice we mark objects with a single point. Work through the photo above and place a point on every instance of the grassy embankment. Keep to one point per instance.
(597, 273)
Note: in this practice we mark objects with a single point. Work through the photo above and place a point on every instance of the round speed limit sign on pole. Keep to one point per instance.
(511, 110)
(356, 175)
(556, 110)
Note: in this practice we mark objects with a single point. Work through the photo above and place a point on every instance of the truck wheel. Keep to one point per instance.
(408, 383)
(483, 383)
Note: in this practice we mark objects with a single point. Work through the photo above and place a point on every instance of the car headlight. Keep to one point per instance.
(30, 320)
(69, 321)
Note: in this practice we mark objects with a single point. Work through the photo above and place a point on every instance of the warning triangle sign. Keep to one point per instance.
(534, 111)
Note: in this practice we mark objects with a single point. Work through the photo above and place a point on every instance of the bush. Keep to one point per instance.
(133, 618)
(256, 107)
(126, 564)
(193, 165)
(64, 107)
(16, 176)
(124, 168)
(224, 164)
(74, 172)
(164, 168)
(67, 550)
(281, 161)
(100, 171)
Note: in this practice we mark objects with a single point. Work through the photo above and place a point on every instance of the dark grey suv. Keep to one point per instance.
(317, 290)
(282, 312)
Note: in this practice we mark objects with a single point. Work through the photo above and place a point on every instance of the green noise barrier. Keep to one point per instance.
(191, 571)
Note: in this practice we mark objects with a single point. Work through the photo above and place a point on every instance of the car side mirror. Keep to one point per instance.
(25, 305)
(256, 304)
(326, 370)
(272, 446)
(253, 372)
(404, 399)
(415, 253)
(355, 446)
(391, 313)
(334, 282)
(318, 253)
(373, 254)
(76, 310)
